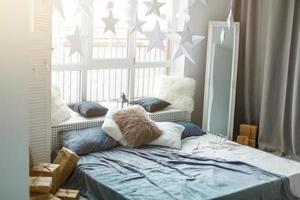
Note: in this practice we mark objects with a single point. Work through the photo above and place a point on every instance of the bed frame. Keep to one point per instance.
(169, 115)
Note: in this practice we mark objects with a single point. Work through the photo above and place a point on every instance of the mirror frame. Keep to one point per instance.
(209, 62)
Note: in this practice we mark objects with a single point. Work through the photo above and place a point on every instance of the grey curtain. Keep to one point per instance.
(268, 85)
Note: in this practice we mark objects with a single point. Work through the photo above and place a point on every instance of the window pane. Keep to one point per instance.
(68, 83)
(106, 84)
(101, 82)
(109, 45)
(60, 29)
(147, 80)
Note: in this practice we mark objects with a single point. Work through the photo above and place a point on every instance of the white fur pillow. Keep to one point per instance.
(59, 110)
(171, 135)
(112, 129)
(178, 91)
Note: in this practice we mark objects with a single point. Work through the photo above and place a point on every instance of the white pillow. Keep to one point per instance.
(171, 135)
(178, 91)
(59, 110)
(111, 128)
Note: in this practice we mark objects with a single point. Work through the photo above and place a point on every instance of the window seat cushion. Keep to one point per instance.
(89, 109)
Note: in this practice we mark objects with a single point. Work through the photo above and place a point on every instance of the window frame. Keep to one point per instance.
(90, 63)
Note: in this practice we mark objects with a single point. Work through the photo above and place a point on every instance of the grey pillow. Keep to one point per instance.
(190, 130)
(87, 140)
(151, 104)
(89, 109)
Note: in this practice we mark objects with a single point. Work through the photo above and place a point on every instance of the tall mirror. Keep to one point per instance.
(220, 79)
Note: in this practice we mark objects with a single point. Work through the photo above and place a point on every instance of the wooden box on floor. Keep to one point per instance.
(253, 132)
(245, 130)
(66, 194)
(67, 161)
(43, 197)
(47, 170)
(41, 185)
(248, 130)
(252, 143)
(247, 135)
(243, 140)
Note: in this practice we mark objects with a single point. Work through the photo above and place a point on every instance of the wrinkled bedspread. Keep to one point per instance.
(163, 174)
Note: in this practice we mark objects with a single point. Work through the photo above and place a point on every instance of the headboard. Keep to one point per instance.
(167, 115)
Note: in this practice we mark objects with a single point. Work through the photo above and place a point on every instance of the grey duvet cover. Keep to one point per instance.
(154, 173)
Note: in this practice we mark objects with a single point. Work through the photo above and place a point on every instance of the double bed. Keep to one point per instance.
(206, 167)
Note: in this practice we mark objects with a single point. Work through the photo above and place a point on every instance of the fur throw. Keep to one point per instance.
(59, 110)
(178, 91)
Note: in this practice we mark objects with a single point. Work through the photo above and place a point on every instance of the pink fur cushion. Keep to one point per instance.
(136, 126)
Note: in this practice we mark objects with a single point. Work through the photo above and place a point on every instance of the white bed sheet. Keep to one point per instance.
(214, 146)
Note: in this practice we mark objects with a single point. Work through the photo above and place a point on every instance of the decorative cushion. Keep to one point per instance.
(190, 130)
(87, 140)
(131, 126)
(178, 91)
(151, 104)
(88, 109)
(136, 126)
(59, 109)
(171, 135)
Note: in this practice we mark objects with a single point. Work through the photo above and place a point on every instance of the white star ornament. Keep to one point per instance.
(153, 7)
(136, 25)
(156, 38)
(186, 35)
(110, 22)
(187, 43)
(186, 49)
(76, 42)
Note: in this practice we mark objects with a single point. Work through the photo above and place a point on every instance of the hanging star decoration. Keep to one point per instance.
(57, 4)
(110, 22)
(185, 35)
(187, 43)
(136, 24)
(85, 6)
(153, 7)
(76, 42)
(203, 2)
(230, 20)
(156, 38)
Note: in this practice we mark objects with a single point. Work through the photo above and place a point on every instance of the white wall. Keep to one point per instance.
(13, 101)
(217, 10)
(39, 84)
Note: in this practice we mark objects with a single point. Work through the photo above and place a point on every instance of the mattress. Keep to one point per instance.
(214, 146)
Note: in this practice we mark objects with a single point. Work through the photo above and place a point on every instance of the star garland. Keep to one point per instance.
(156, 38)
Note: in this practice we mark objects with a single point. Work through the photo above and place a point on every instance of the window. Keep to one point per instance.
(111, 63)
